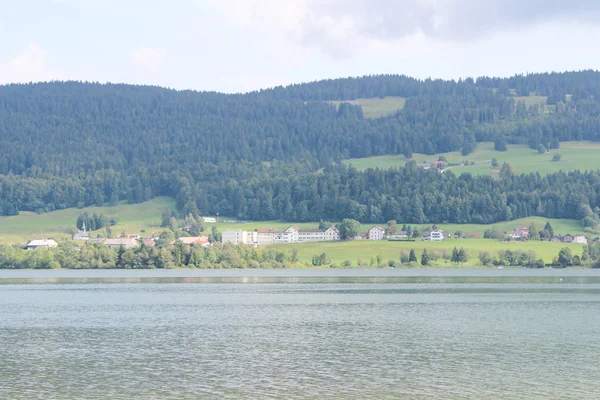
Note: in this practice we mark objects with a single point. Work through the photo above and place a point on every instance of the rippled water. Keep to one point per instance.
(476, 335)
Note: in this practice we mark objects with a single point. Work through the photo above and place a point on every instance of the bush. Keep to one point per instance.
(556, 157)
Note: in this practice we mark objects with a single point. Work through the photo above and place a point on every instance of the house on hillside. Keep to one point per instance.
(435, 236)
(568, 238)
(580, 239)
(376, 233)
(41, 243)
(425, 166)
(209, 220)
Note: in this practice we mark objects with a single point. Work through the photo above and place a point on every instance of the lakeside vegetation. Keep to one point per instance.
(575, 156)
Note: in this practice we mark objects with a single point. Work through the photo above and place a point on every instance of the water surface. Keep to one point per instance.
(300, 334)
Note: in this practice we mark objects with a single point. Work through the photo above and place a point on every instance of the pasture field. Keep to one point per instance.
(376, 108)
(365, 250)
(580, 155)
(132, 218)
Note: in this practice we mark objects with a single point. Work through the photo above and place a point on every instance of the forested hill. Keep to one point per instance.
(65, 144)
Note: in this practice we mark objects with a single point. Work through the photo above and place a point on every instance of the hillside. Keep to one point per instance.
(575, 156)
(59, 225)
(254, 156)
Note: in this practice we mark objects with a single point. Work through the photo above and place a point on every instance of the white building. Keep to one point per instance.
(318, 235)
(209, 220)
(435, 236)
(38, 243)
(267, 236)
(376, 233)
(238, 237)
(580, 239)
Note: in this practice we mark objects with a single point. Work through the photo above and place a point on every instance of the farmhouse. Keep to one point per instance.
(580, 239)
(209, 220)
(568, 238)
(376, 233)
(39, 243)
(435, 236)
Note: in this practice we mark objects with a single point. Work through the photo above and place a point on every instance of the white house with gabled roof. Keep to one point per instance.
(376, 233)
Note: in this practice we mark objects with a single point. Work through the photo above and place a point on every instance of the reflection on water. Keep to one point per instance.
(301, 337)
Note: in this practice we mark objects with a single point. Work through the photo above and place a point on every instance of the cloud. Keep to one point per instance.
(149, 59)
(338, 27)
(27, 66)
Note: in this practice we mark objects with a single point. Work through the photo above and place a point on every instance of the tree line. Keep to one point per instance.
(109, 143)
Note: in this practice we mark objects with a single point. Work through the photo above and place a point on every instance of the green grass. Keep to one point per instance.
(560, 226)
(367, 249)
(376, 108)
(532, 100)
(57, 224)
(575, 156)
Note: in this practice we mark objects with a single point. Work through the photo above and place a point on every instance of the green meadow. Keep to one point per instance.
(560, 226)
(364, 250)
(580, 155)
(376, 108)
(132, 218)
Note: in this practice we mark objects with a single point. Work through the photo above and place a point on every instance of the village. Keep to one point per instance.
(293, 234)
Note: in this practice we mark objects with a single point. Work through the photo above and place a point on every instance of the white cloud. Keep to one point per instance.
(27, 66)
(149, 59)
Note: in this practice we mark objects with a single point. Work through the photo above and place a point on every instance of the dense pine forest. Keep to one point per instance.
(276, 153)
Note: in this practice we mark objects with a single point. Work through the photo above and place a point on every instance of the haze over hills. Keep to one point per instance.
(256, 155)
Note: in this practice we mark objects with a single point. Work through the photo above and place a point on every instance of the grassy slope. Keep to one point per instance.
(132, 219)
(366, 249)
(575, 155)
(375, 108)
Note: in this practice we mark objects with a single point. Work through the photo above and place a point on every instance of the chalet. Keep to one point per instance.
(435, 236)
(580, 239)
(568, 238)
(126, 243)
(41, 243)
(376, 233)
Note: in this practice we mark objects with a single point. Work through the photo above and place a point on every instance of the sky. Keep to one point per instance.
(244, 45)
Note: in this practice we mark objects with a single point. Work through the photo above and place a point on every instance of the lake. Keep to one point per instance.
(300, 334)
